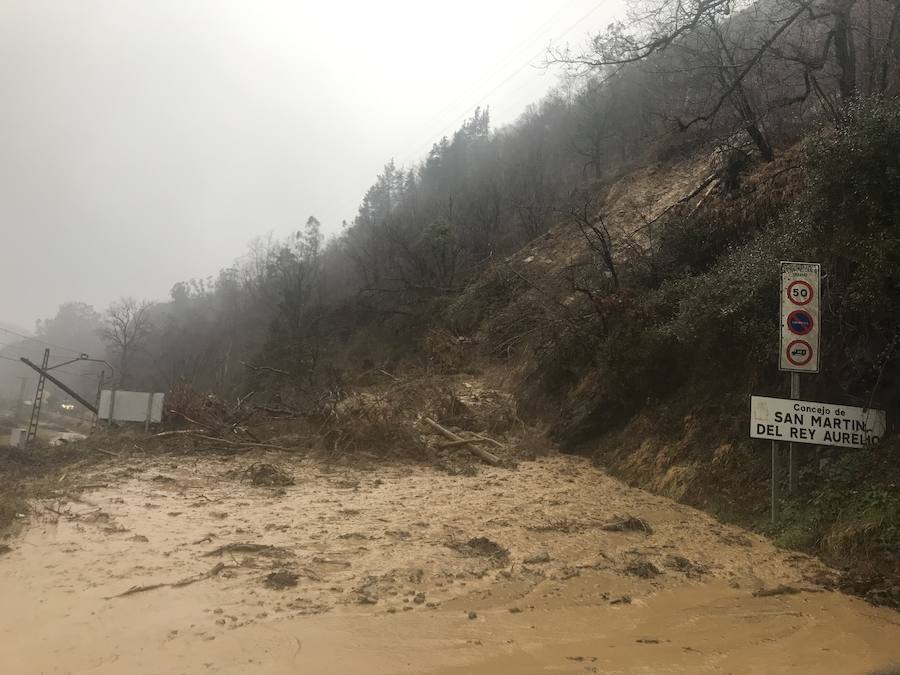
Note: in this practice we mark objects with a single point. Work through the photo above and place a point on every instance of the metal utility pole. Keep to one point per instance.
(45, 375)
(38, 398)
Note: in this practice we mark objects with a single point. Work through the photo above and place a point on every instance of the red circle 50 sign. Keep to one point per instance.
(800, 292)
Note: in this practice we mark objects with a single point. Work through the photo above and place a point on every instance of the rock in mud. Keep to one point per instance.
(268, 475)
(682, 564)
(484, 547)
(537, 558)
(778, 590)
(281, 579)
(620, 600)
(643, 569)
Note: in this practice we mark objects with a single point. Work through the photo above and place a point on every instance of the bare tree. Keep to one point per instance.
(127, 327)
(585, 214)
(696, 33)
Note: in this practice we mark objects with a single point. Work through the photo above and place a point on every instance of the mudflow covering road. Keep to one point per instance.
(185, 566)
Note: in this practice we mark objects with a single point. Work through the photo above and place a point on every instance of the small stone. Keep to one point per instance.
(419, 599)
(473, 615)
(537, 558)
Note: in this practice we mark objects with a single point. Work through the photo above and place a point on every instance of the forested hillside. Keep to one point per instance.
(611, 258)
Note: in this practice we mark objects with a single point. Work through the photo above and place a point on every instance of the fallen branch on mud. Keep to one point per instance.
(783, 590)
(267, 369)
(289, 412)
(177, 584)
(180, 432)
(240, 547)
(488, 457)
(239, 444)
(476, 438)
(195, 433)
(628, 524)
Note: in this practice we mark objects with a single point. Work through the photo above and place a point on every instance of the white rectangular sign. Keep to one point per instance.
(132, 406)
(781, 419)
(800, 317)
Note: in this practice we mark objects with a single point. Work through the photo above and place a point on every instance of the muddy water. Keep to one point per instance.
(387, 583)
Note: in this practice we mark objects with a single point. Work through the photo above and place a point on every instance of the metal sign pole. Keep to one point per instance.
(149, 412)
(793, 455)
(21, 403)
(775, 473)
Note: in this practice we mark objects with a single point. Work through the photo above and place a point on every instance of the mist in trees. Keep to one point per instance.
(747, 77)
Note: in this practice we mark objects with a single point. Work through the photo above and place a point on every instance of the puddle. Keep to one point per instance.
(178, 565)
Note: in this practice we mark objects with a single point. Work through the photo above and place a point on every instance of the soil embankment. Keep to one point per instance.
(182, 565)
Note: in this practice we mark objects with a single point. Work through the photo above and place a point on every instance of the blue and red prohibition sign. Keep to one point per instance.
(800, 322)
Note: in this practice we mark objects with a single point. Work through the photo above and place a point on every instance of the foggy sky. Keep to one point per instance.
(143, 142)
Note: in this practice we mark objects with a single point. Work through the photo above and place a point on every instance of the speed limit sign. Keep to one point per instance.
(800, 317)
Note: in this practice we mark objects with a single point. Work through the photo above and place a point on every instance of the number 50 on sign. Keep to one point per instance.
(800, 317)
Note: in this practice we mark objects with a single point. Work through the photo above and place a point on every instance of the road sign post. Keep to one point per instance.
(800, 331)
(794, 421)
(792, 456)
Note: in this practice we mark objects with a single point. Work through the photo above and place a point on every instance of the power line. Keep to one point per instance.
(43, 342)
(441, 116)
(65, 372)
(447, 127)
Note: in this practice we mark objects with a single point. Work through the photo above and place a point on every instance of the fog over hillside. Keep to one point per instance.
(145, 143)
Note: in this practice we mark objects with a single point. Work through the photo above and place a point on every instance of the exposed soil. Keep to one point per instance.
(182, 565)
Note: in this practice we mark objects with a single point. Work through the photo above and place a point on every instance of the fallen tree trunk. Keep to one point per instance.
(488, 457)
(177, 584)
(180, 432)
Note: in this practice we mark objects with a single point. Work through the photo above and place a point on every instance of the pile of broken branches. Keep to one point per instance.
(471, 443)
(217, 423)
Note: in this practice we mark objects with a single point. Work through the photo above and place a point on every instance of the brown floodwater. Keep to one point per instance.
(386, 580)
